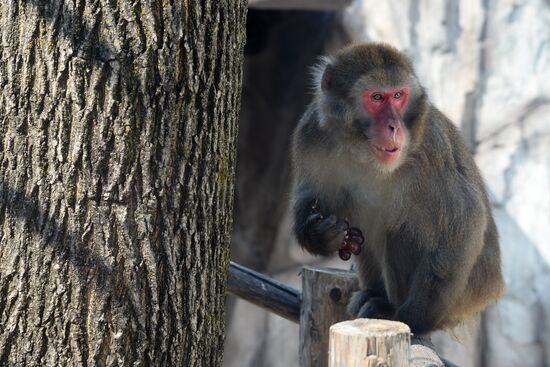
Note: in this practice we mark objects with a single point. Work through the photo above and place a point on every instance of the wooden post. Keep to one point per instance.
(325, 295)
(369, 343)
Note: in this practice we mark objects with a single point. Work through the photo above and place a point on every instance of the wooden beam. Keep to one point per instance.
(264, 292)
(299, 4)
(325, 296)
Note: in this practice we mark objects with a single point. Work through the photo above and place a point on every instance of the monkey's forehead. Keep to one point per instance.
(371, 66)
(385, 78)
(369, 56)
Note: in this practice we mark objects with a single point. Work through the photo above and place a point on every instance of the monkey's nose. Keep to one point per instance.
(394, 128)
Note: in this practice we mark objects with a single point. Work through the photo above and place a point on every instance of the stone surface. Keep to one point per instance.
(486, 64)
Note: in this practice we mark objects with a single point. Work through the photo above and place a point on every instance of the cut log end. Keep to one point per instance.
(369, 342)
(370, 327)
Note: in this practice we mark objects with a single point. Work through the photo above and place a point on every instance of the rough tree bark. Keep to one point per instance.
(117, 151)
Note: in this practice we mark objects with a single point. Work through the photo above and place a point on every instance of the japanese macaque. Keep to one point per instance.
(372, 152)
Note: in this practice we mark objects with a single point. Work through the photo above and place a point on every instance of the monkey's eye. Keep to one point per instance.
(377, 97)
(397, 95)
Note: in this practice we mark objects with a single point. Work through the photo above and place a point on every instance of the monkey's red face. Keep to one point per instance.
(387, 106)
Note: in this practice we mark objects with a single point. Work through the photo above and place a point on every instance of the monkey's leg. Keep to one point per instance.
(317, 230)
(435, 289)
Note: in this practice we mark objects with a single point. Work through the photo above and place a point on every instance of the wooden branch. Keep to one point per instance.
(264, 292)
(299, 4)
(326, 293)
(369, 343)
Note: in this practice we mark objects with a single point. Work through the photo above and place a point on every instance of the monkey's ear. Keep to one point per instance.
(326, 80)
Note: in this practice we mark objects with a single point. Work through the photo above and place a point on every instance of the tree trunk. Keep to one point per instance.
(117, 152)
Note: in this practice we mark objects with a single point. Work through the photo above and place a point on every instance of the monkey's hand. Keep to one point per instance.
(322, 235)
(370, 304)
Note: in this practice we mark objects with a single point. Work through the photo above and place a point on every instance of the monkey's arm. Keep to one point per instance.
(316, 226)
(317, 230)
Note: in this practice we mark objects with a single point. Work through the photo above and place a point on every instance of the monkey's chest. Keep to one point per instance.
(372, 206)
(390, 247)
(368, 211)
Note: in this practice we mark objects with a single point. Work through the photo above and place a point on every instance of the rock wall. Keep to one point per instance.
(486, 64)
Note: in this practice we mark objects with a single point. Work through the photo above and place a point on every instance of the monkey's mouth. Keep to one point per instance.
(388, 149)
(387, 154)
(391, 150)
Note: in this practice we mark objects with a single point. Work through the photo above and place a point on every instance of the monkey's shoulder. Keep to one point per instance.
(308, 131)
(310, 142)
(445, 149)
(451, 180)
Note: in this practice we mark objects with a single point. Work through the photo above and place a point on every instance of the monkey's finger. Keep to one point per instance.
(341, 225)
(319, 225)
(335, 226)
(327, 224)
(331, 231)
(313, 218)
(331, 220)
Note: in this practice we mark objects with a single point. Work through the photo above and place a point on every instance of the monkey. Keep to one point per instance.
(372, 151)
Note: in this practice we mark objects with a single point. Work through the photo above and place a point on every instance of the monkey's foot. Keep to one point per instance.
(369, 304)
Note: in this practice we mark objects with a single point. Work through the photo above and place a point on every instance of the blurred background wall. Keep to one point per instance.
(486, 64)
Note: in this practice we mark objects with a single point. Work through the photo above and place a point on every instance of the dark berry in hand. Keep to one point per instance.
(344, 254)
(355, 235)
(353, 247)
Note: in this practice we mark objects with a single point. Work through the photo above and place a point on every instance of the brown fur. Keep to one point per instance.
(431, 256)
